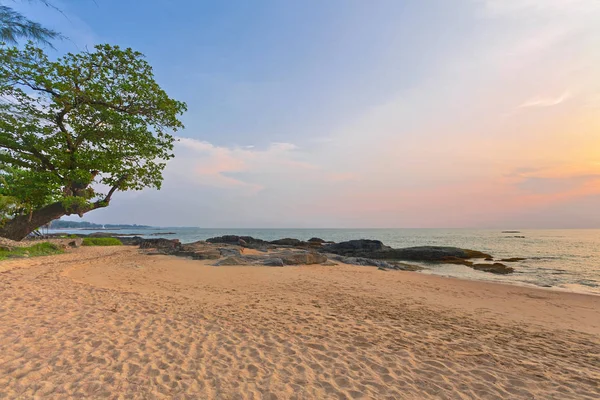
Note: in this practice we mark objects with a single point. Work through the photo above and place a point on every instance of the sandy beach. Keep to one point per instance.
(113, 322)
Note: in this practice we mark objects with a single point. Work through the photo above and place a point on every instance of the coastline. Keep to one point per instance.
(99, 322)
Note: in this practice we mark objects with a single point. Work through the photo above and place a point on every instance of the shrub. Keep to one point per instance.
(102, 242)
(40, 249)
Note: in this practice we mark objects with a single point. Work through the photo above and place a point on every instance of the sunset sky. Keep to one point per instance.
(353, 113)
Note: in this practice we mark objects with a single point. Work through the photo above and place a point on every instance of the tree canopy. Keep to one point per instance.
(14, 26)
(75, 130)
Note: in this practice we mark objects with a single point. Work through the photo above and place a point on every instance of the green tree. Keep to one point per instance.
(15, 26)
(75, 130)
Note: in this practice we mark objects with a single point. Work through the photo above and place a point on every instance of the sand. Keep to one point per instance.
(115, 323)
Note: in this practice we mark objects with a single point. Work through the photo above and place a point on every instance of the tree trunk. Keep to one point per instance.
(19, 227)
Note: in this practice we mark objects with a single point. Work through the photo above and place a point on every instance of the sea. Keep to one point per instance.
(559, 259)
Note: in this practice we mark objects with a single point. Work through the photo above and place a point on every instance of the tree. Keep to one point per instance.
(75, 130)
(14, 26)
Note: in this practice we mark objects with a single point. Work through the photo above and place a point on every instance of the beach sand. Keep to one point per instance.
(116, 323)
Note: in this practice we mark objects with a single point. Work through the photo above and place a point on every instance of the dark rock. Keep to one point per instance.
(131, 241)
(199, 251)
(511, 231)
(513, 259)
(374, 249)
(162, 233)
(489, 259)
(288, 242)
(316, 240)
(273, 262)
(495, 268)
(356, 248)
(166, 245)
(432, 254)
(234, 239)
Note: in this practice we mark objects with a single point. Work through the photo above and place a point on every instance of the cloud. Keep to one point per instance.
(540, 101)
(234, 167)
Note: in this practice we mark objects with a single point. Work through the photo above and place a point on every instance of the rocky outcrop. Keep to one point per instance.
(376, 263)
(512, 259)
(231, 261)
(166, 245)
(275, 259)
(235, 240)
(300, 257)
(229, 251)
(273, 262)
(288, 242)
(374, 249)
(356, 248)
(495, 268)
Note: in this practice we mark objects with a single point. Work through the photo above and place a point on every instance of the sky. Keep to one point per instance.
(357, 114)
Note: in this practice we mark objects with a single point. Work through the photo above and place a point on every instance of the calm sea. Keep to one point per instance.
(562, 259)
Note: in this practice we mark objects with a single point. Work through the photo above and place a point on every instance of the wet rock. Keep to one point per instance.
(513, 259)
(495, 268)
(316, 240)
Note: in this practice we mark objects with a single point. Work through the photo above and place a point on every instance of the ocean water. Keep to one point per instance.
(561, 259)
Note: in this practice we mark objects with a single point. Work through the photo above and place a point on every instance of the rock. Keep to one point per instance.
(231, 261)
(234, 239)
(374, 249)
(489, 259)
(300, 257)
(131, 241)
(288, 242)
(273, 262)
(377, 263)
(511, 231)
(328, 263)
(199, 251)
(513, 259)
(495, 268)
(229, 252)
(162, 233)
(316, 240)
(356, 248)
(165, 245)
(242, 243)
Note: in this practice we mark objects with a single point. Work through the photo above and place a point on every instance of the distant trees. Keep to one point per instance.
(76, 130)
(15, 26)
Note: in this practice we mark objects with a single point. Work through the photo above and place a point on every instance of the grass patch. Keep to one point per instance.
(102, 242)
(40, 249)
